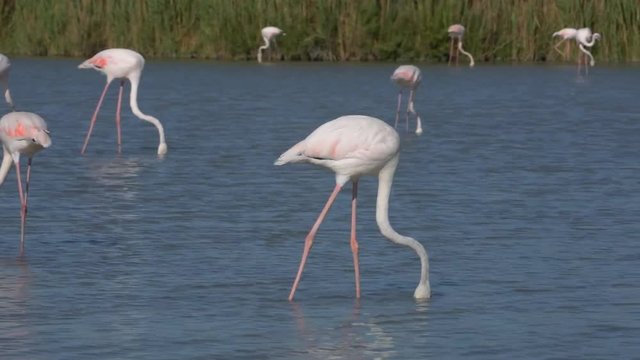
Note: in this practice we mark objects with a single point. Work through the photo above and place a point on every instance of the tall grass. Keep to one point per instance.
(317, 30)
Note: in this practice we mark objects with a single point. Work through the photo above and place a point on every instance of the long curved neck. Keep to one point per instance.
(385, 179)
(261, 48)
(133, 101)
(472, 63)
(7, 160)
(592, 42)
(591, 60)
(7, 93)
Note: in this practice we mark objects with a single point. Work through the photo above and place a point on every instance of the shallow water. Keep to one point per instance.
(524, 189)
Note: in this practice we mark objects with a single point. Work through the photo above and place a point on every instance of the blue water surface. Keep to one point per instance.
(524, 188)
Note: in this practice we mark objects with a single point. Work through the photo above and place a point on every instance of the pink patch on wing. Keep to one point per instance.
(334, 148)
(99, 62)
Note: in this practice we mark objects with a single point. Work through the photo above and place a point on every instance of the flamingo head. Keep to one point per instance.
(42, 138)
(596, 36)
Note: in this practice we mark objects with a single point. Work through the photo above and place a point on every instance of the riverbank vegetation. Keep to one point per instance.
(317, 30)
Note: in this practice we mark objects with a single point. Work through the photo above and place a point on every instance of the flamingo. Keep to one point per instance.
(5, 65)
(584, 37)
(269, 34)
(408, 77)
(121, 64)
(21, 133)
(353, 146)
(565, 34)
(456, 33)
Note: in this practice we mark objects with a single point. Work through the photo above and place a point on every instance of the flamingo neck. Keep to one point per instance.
(133, 101)
(471, 63)
(591, 60)
(592, 42)
(385, 180)
(6, 165)
(261, 48)
(7, 93)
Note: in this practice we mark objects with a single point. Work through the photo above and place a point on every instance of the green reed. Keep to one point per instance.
(317, 30)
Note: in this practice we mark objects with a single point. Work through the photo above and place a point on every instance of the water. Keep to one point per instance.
(524, 189)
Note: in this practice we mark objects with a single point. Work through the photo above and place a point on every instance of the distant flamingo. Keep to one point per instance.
(565, 34)
(353, 146)
(121, 64)
(269, 34)
(585, 38)
(21, 133)
(5, 65)
(456, 33)
(408, 77)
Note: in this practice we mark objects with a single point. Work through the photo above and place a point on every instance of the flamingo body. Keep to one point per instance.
(565, 34)
(456, 33)
(5, 65)
(355, 146)
(21, 133)
(122, 64)
(408, 77)
(269, 35)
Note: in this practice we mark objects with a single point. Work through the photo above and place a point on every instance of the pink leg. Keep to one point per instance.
(23, 206)
(409, 108)
(118, 110)
(26, 200)
(93, 119)
(398, 108)
(308, 241)
(457, 53)
(450, 50)
(579, 62)
(354, 242)
(586, 64)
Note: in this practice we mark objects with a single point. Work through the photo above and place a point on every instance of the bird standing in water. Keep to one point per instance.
(408, 77)
(456, 33)
(269, 35)
(121, 64)
(21, 133)
(354, 146)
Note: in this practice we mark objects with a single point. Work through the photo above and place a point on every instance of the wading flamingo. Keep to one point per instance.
(408, 77)
(5, 65)
(456, 33)
(269, 34)
(353, 146)
(585, 38)
(21, 133)
(565, 34)
(121, 64)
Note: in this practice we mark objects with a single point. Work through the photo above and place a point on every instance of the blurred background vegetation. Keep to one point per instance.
(317, 30)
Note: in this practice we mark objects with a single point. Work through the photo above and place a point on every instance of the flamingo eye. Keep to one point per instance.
(33, 140)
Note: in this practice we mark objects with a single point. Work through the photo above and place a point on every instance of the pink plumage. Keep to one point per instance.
(22, 133)
(354, 146)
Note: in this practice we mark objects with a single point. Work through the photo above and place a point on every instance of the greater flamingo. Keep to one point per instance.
(269, 34)
(408, 77)
(121, 64)
(5, 65)
(456, 33)
(353, 146)
(585, 38)
(565, 34)
(21, 133)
